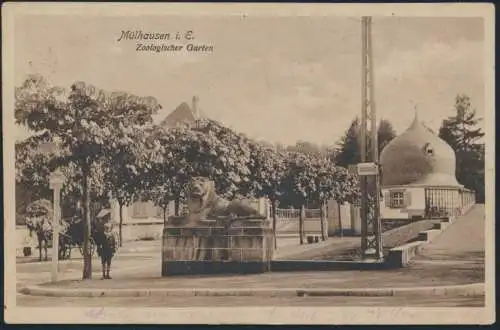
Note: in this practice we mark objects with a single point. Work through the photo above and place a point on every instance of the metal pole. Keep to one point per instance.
(377, 227)
(371, 241)
(55, 235)
(364, 223)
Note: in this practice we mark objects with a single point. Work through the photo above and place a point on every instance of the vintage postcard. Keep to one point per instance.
(248, 163)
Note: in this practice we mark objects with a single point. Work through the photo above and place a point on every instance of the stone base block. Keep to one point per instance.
(428, 235)
(400, 256)
(172, 268)
(243, 247)
(441, 226)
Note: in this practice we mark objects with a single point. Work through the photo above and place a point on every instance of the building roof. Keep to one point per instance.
(182, 114)
(418, 157)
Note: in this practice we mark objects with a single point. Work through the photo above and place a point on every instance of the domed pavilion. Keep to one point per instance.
(418, 177)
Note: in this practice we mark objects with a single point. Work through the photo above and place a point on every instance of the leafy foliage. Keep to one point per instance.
(349, 148)
(39, 215)
(220, 154)
(168, 172)
(267, 172)
(205, 148)
(461, 133)
(106, 144)
(385, 134)
(81, 122)
(311, 149)
(349, 151)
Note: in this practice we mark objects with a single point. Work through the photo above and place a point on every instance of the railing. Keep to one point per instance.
(468, 199)
(441, 202)
(286, 216)
(294, 213)
(287, 213)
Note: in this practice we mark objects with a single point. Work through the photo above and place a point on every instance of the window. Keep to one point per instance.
(429, 151)
(397, 199)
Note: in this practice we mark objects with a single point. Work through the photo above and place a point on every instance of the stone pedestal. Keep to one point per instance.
(244, 246)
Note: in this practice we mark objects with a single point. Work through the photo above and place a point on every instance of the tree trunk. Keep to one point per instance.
(120, 233)
(341, 230)
(301, 224)
(165, 215)
(87, 258)
(322, 219)
(177, 207)
(273, 213)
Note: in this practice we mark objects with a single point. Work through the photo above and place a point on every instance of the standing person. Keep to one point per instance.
(106, 242)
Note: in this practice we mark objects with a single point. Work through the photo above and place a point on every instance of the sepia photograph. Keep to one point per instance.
(248, 163)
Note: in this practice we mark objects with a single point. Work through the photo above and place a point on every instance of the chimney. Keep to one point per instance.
(195, 107)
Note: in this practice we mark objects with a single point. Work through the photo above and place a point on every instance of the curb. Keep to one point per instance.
(465, 290)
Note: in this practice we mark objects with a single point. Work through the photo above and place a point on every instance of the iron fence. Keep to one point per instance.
(440, 202)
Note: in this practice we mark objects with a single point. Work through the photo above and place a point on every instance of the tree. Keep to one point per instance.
(324, 187)
(216, 152)
(125, 164)
(124, 169)
(461, 133)
(32, 173)
(385, 134)
(299, 184)
(267, 173)
(205, 148)
(305, 147)
(80, 122)
(349, 149)
(345, 188)
(329, 181)
(169, 172)
(33, 166)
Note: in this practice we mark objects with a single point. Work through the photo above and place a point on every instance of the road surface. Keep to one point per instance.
(456, 253)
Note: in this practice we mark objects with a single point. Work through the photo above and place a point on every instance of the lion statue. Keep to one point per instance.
(204, 203)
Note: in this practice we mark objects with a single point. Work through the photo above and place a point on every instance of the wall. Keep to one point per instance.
(348, 219)
(355, 220)
(415, 207)
(23, 239)
(142, 231)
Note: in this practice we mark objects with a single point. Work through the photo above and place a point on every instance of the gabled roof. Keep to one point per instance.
(183, 113)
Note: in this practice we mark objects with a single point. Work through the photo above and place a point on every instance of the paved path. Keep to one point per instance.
(455, 257)
(40, 272)
(459, 250)
(349, 248)
(144, 277)
(464, 240)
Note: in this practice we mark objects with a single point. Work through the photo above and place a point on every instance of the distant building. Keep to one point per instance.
(183, 114)
(418, 177)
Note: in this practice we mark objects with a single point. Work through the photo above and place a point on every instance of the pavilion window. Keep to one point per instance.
(396, 199)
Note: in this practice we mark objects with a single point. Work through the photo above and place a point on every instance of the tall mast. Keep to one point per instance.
(371, 232)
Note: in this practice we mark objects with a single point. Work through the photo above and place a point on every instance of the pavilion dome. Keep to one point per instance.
(418, 157)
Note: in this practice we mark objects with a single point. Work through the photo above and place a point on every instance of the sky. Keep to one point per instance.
(279, 79)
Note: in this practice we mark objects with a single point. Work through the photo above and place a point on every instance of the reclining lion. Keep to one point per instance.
(204, 203)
